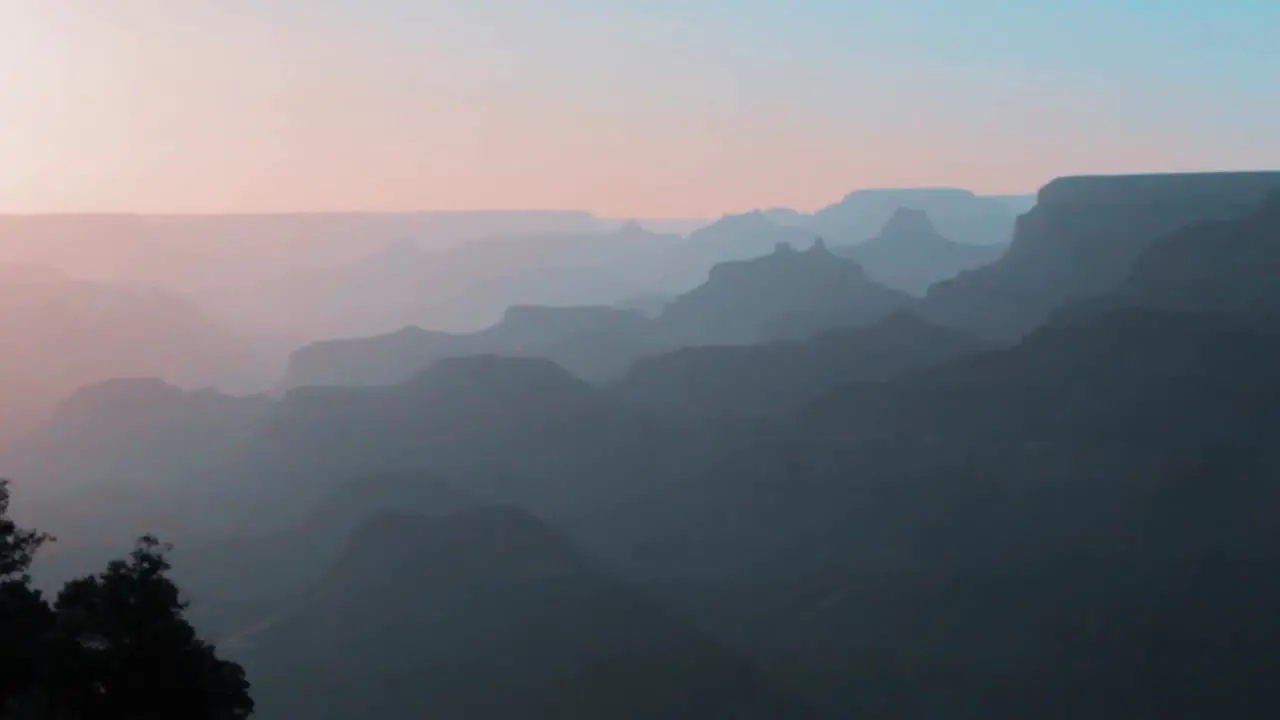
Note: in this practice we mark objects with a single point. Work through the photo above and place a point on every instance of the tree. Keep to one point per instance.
(17, 546)
(114, 646)
(25, 616)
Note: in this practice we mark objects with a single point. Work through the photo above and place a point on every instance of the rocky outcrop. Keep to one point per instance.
(909, 254)
(772, 378)
(590, 341)
(1228, 266)
(788, 293)
(1081, 240)
(731, 238)
(959, 214)
(762, 299)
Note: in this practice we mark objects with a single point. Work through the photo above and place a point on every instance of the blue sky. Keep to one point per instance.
(665, 107)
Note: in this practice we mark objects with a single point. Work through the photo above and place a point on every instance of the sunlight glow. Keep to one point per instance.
(32, 64)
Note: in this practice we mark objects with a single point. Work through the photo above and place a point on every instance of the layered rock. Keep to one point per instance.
(581, 338)
(1228, 266)
(909, 254)
(959, 214)
(772, 378)
(788, 293)
(1081, 240)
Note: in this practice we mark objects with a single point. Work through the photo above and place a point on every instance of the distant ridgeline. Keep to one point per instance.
(787, 293)
(911, 255)
(1081, 240)
(1046, 489)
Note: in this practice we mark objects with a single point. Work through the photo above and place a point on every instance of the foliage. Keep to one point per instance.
(17, 546)
(114, 645)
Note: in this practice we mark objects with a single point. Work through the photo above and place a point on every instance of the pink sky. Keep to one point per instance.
(140, 106)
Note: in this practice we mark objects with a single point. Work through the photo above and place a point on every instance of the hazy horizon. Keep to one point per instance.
(550, 211)
(667, 111)
(940, 378)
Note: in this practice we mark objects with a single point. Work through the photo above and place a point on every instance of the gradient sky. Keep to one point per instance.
(676, 108)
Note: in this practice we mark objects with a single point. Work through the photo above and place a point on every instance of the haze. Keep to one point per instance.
(640, 361)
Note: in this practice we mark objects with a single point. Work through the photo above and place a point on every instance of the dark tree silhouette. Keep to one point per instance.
(25, 616)
(114, 646)
(17, 546)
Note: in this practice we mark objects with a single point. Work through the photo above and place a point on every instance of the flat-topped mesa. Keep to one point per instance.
(958, 214)
(908, 222)
(1081, 240)
(924, 194)
(1127, 213)
(909, 253)
(1233, 187)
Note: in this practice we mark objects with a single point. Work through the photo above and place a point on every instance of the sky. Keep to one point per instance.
(654, 108)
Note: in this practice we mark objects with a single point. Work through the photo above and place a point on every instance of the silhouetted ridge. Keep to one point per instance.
(731, 238)
(959, 214)
(377, 360)
(1228, 266)
(1228, 189)
(744, 223)
(905, 326)
(1082, 239)
(785, 294)
(1141, 374)
(785, 217)
(532, 324)
(497, 375)
(776, 377)
(129, 405)
(136, 433)
(59, 333)
(276, 567)
(909, 254)
(908, 222)
(592, 342)
(631, 227)
(488, 614)
(124, 397)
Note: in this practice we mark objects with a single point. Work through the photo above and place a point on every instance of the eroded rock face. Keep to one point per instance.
(1227, 266)
(577, 337)
(910, 254)
(1082, 239)
(778, 377)
(757, 300)
(960, 215)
